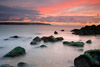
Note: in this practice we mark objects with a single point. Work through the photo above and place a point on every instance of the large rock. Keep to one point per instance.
(51, 39)
(77, 44)
(87, 30)
(17, 51)
(5, 65)
(90, 58)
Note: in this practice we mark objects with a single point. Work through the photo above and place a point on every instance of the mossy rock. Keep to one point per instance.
(22, 64)
(43, 46)
(33, 43)
(37, 39)
(52, 39)
(78, 44)
(89, 41)
(17, 51)
(59, 38)
(90, 58)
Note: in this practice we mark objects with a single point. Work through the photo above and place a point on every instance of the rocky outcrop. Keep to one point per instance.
(87, 30)
(90, 58)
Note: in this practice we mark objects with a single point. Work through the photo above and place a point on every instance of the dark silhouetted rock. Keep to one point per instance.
(89, 41)
(55, 32)
(78, 44)
(43, 46)
(17, 51)
(90, 58)
(15, 36)
(87, 30)
(5, 65)
(62, 30)
(22, 64)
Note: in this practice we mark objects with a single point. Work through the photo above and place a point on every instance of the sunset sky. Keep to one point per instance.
(52, 7)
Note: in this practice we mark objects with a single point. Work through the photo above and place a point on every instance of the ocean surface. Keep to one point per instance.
(55, 55)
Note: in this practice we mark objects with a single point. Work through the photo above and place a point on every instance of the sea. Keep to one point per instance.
(55, 55)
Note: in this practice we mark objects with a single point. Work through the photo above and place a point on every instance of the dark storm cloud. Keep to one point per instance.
(16, 11)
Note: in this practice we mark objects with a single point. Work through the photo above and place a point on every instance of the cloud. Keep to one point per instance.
(17, 11)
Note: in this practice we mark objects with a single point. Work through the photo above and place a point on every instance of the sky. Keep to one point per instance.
(50, 7)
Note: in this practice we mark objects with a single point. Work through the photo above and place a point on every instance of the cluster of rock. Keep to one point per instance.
(87, 30)
(14, 37)
(20, 64)
(46, 39)
(72, 43)
(90, 58)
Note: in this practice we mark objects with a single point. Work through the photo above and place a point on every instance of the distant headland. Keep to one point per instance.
(9, 23)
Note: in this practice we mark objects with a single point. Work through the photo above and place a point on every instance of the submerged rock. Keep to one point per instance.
(22, 64)
(33, 43)
(55, 32)
(17, 51)
(43, 46)
(5, 65)
(78, 44)
(89, 41)
(15, 36)
(62, 30)
(90, 58)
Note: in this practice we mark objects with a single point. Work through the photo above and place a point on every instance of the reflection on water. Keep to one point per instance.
(56, 55)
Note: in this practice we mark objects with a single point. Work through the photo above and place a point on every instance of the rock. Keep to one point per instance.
(33, 43)
(6, 65)
(37, 39)
(51, 39)
(62, 30)
(17, 51)
(43, 46)
(6, 39)
(22, 64)
(78, 44)
(59, 38)
(55, 32)
(15, 36)
(87, 30)
(90, 58)
(89, 41)
(80, 50)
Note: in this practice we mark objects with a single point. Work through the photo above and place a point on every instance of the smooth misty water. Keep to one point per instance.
(56, 55)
